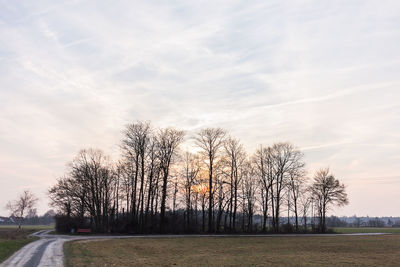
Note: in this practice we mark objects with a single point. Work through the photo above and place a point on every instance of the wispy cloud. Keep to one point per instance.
(323, 75)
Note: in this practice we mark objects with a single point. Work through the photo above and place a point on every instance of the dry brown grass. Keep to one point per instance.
(14, 233)
(238, 251)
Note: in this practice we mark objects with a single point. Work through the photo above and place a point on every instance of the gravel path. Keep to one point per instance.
(48, 250)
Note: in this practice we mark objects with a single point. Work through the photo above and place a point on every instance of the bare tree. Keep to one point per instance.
(305, 202)
(210, 140)
(191, 170)
(134, 145)
(327, 191)
(285, 158)
(153, 170)
(94, 177)
(235, 156)
(221, 191)
(249, 194)
(21, 206)
(61, 197)
(168, 140)
(297, 182)
(263, 168)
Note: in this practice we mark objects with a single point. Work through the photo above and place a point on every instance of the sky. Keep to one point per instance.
(323, 75)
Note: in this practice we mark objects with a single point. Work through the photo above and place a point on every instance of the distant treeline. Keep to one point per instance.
(213, 185)
(31, 219)
(355, 221)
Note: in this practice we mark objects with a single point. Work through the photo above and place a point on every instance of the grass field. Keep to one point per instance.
(12, 239)
(237, 251)
(28, 227)
(348, 230)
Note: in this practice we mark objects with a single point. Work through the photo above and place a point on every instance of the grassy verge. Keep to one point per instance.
(8, 247)
(236, 251)
(12, 239)
(348, 230)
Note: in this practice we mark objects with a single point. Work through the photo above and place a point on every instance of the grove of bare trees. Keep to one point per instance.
(212, 186)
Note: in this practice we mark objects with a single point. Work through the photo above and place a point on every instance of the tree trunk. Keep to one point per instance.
(210, 202)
